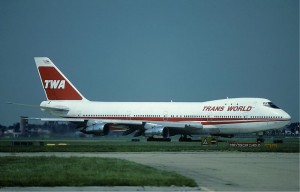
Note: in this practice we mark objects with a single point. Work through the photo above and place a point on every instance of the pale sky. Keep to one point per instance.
(155, 50)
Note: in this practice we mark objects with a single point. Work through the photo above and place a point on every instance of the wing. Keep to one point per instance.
(104, 126)
(145, 128)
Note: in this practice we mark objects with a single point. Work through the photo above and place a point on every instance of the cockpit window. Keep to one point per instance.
(270, 104)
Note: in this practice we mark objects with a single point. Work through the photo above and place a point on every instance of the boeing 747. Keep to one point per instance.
(224, 117)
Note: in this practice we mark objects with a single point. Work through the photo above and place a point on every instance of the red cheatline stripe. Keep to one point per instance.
(203, 121)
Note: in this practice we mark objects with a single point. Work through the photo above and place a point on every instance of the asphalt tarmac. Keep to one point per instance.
(213, 171)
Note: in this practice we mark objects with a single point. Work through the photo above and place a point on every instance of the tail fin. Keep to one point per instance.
(55, 84)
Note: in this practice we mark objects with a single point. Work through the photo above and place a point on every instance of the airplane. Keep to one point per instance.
(224, 117)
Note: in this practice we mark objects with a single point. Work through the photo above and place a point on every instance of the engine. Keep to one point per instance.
(156, 130)
(96, 128)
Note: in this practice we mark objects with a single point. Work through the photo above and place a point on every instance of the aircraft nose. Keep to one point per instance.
(287, 117)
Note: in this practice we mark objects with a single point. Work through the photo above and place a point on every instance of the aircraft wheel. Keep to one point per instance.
(185, 139)
(260, 140)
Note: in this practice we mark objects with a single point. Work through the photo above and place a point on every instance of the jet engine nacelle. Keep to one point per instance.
(96, 128)
(156, 130)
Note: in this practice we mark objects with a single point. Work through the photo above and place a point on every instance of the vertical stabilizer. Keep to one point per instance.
(55, 84)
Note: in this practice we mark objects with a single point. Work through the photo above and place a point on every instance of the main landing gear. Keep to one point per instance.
(184, 138)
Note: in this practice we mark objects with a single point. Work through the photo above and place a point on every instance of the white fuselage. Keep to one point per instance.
(225, 116)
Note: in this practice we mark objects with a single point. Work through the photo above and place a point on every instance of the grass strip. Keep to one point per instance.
(83, 171)
(288, 145)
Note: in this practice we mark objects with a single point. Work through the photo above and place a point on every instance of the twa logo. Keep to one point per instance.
(55, 84)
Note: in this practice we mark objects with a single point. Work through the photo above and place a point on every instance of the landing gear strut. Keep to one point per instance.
(260, 138)
(184, 138)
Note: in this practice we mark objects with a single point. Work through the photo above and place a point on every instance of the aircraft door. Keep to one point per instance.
(165, 115)
(209, 116)
(246, 116)
(77, 113)
(128, 115)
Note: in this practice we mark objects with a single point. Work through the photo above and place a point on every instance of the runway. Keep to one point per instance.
(216, 171)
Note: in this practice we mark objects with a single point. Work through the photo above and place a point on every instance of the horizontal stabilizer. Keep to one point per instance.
(22, 104)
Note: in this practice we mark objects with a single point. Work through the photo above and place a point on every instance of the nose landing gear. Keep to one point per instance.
(260, 138)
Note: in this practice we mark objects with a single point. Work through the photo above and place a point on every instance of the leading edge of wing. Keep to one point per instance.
(56, 119)
(22, 104)
(125, 122)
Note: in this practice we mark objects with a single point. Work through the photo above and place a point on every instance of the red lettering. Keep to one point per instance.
(213, 108)
(249, 108)
(230, 108)
(206, 108)
(239, 108)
